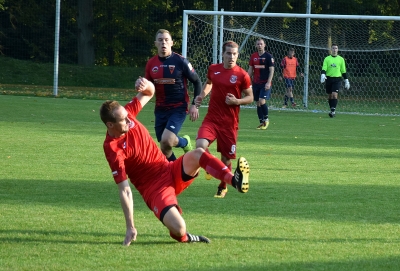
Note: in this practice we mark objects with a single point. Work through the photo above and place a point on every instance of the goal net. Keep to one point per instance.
(369, 44)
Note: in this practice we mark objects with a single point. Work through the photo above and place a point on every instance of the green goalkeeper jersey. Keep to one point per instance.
(334, 66)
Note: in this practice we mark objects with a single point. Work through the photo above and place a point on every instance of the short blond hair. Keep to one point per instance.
(163, 31)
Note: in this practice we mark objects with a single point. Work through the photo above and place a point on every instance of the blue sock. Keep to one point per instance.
(285, 100)
(264, 109)
(171, 158)
(182, 142)
(291, 100)
(260, 114)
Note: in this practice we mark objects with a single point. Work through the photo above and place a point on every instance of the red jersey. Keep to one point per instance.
(225, 81)
(135, 154)
(289, 66)
(261, 64)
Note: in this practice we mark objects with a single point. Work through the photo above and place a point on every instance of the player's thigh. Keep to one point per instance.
(226, 143)
(265, 94)
(161, 120)
(207, 131)
(256, 91)
(175, 121)
(182, 180)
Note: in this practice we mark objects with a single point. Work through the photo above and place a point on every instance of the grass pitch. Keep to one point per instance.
(324, 195)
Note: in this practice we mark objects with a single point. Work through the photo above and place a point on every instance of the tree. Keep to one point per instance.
(85, 48)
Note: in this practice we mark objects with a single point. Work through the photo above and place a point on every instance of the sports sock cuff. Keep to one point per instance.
(180, 239)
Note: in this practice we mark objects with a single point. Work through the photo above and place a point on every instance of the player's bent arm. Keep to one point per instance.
(248, 96)
(206, 89)
(250, 71)
(145, 90)
(271, 74)
(126, 199)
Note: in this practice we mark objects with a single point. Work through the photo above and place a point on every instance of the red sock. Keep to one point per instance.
(216, 168)
(223, 184)
(180, 239)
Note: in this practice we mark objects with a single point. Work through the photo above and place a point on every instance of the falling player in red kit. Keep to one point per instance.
(132, 153)
(228, 82)
(170, 72)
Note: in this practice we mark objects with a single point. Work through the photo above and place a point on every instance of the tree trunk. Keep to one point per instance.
(85, 33)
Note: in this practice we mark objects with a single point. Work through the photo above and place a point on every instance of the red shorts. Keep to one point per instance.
(171, 185)
(226, 138)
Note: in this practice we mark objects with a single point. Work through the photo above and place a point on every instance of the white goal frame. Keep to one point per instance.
(217, 44)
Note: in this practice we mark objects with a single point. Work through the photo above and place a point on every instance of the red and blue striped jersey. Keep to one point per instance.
(170, 75)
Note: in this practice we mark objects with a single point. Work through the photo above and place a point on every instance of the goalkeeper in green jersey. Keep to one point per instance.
(333, 69)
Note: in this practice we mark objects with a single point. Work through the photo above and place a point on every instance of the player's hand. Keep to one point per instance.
(323, 78)
(267, 86)
(346, 84)
(198, 101)
(230, 99)
(130, 236)
(141, 84)
(193, 112)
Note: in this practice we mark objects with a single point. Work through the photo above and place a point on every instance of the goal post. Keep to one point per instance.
(370, 45)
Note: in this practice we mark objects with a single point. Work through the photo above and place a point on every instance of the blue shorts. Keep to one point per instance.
(259, 92)
(289, 83)
(171, 120)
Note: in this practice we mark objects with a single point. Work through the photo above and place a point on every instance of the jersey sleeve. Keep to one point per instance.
(271, 61)
(133, 107)
(246, 81)
(343, 66)
(116, 162)
(325, 64)
(190, 73)
(147, 72)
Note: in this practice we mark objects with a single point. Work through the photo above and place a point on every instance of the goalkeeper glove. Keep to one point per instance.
(323, 78)
(346, 84)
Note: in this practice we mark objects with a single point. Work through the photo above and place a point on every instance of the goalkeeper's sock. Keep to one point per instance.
(292, 100)
(331, 105)
(334, 104)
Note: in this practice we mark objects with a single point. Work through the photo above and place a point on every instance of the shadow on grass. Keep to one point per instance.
(378, 263)
(73, 237)
(358, 203)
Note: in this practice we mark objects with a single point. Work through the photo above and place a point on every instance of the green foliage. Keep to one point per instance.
(323, 195)
(124, 30)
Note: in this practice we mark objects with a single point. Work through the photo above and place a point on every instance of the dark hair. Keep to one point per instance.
(107, 110)
(229, 43)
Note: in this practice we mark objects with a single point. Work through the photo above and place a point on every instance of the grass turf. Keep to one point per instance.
(324, 195)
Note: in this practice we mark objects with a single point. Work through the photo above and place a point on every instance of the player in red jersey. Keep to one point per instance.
(169, 72)
(132, 153)
(228, 82)
(261, 68)
(289, 65)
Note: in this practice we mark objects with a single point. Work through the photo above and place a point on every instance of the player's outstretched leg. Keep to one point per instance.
(240, 179)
